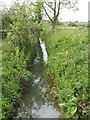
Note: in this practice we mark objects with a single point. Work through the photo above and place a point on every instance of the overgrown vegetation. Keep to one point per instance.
(67, 68)
(67, 65)
(20, 39)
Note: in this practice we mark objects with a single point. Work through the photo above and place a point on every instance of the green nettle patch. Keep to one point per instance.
(68, 68)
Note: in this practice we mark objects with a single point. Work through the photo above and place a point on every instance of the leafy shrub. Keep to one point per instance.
(19, 50)
(13, 73)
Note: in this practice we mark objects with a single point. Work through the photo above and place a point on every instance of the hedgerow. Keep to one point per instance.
(19, 50)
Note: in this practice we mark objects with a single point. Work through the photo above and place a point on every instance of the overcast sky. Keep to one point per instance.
(68, 15)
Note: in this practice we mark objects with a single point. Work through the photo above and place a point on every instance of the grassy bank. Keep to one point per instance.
(67, 67)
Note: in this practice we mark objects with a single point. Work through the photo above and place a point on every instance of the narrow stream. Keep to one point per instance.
(36, 102)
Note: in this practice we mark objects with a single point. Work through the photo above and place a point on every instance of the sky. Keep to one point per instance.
(81, 15)
(69, 15)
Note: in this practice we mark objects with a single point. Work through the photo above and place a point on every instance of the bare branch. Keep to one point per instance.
(49, 6)
(58, 9)
(54, 8)
(50, 10)
(47, 14)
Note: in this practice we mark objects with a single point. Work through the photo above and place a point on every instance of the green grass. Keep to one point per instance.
(68, 68)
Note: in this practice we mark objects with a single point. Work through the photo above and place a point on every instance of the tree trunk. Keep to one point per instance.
(53, 25)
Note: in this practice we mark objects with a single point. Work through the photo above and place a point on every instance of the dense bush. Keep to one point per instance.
(19, 50)
(13, 73)
(68, 68)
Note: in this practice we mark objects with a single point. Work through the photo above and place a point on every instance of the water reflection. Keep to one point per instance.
(35, 103)
(45, 55)
(32, 100)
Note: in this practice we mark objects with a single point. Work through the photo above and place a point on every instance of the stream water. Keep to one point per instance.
(36, 102)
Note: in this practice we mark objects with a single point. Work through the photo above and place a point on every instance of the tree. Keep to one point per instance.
(54, 9)
(38, 11)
